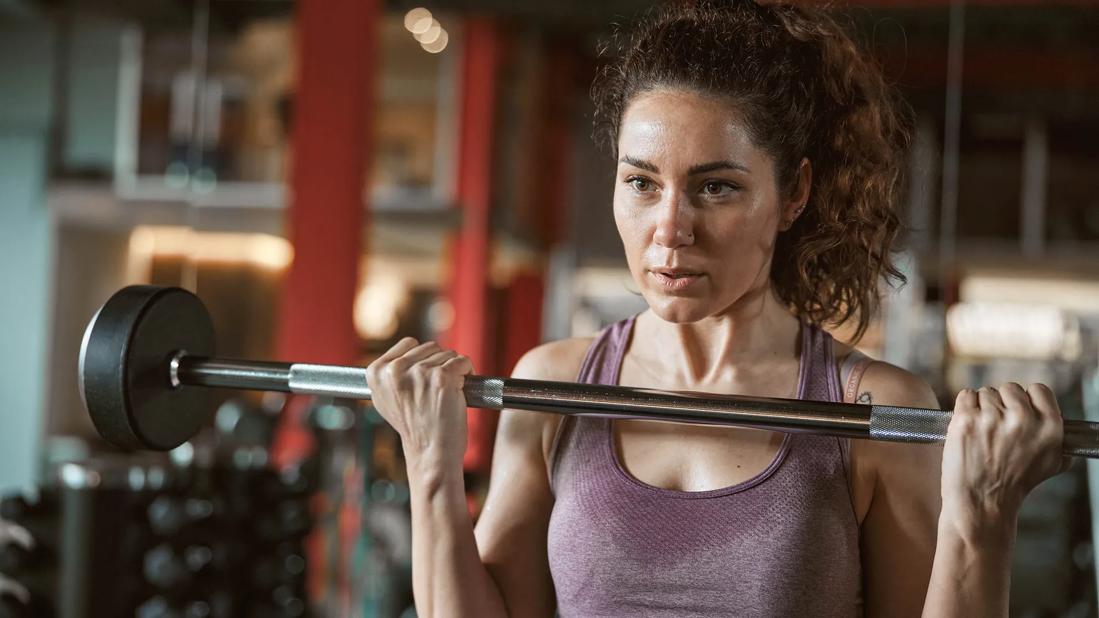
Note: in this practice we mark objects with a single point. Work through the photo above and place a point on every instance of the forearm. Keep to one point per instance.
(448, 577)
(971, 576)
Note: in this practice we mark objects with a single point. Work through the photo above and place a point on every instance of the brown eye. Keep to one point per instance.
(639, 184)
(717, 189)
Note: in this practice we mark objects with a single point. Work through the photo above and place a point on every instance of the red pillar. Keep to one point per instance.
(471, 333)
(523, 324)
(550, 187)
(330, 150)
(330, 153)
(552, 180)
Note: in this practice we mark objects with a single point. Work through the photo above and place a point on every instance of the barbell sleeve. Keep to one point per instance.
(877, 422)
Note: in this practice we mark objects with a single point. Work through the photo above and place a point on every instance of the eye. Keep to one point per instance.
(640, 184)
(718, 188)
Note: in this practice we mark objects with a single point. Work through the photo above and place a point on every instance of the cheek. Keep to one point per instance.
(627, 224)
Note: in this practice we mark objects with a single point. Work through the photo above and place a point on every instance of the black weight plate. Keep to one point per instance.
(124, 367)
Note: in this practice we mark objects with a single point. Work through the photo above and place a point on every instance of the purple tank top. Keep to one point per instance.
(784, 543)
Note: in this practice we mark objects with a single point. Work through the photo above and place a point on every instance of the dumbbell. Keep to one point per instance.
(147, 362)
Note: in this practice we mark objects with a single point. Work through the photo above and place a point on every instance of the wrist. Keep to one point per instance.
(986, 530)
(428, 473)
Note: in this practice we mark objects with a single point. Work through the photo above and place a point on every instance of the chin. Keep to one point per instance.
(679, 310)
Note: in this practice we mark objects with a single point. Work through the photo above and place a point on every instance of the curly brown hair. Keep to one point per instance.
(804, 89)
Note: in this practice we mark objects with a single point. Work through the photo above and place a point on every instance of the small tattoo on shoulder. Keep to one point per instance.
(864, 398)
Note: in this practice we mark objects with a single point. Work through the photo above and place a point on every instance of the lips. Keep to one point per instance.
(676, 273)
(675, 279)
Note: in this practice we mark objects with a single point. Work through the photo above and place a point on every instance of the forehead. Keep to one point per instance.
(678, 125)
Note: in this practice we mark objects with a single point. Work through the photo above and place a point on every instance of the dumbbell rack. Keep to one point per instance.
(117, 536)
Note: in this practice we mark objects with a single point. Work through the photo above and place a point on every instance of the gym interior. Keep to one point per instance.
(331, 176)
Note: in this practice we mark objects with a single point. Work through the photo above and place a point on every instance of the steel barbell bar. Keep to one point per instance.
(147, 360)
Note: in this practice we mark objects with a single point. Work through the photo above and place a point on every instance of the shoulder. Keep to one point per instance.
(877, 465)
(890, 385)
(893, 386)
(557, 361)
(887, 384)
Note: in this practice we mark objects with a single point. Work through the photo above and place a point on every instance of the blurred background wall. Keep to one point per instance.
(331, 177)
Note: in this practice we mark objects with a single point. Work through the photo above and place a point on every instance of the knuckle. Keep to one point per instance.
(964, 401)
(1014, 423)
(438, 379)
(961, 423)
(396, 370)
(1040, 389)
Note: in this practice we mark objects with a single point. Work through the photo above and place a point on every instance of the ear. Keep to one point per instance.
(791, 210)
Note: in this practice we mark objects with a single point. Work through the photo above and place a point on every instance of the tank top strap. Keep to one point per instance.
(601, 365)
(603, 361)
(818, 378)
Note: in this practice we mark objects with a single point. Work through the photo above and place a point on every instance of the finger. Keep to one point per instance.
(1066, 463)
(1043, 399)
(398, 349)
(459, 364)
(990, 397)
(419, 353)
(437, 359)
(991, 404)
(1015, 396)
(966, 401)
(1017, 402)
(965, 412)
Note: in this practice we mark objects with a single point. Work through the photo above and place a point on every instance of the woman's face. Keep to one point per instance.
(696, 204)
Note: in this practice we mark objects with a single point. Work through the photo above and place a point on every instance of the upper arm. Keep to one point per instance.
(900, 527)
(511, 531)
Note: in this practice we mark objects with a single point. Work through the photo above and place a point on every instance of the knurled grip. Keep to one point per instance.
(329, 380)
(484, 392)
(908, 424)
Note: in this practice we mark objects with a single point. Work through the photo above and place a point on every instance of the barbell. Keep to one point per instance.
(148, 355)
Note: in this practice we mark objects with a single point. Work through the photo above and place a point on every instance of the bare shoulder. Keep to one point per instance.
(557, 361)
(905, 465)
(891, 385)
(887, 384)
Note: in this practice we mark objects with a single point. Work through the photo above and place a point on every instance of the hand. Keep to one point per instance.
(417, 388)
(1000, 444)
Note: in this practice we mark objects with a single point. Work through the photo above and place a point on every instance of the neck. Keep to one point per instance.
(753, 334)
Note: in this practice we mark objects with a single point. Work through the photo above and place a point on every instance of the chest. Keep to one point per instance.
(702, 458)
(786, 545)
(686, 457)
(692, 457)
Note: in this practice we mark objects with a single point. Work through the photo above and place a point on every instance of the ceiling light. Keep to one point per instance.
(431, 34)
(413, 18)
(438, 45)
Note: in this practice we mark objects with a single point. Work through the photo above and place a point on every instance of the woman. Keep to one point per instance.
(759, 161)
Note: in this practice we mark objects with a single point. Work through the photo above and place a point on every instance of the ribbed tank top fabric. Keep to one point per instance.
(784, 543)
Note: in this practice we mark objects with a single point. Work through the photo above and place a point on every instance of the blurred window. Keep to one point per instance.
(1073, 207)
(990, 177)
(215, 104)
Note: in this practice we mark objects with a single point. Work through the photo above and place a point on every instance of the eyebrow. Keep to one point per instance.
(703, 168)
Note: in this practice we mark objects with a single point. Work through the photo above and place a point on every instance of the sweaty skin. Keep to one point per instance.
(699, 211)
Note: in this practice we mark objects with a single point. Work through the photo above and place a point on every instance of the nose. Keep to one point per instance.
(675, 222)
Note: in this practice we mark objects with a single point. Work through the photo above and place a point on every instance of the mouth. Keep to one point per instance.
(675, 279)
